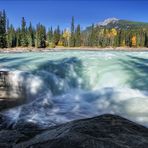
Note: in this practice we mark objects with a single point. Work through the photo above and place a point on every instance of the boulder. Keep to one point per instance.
(105, 131)
(9, 96)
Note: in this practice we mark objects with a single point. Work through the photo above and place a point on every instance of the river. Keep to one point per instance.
(69, 85)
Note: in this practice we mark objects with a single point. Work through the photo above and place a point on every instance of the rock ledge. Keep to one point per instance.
(105, 131)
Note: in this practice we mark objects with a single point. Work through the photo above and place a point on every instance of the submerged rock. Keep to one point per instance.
(9, 96)
(105, 131)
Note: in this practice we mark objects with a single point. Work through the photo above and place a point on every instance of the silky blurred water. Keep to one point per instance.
(68, 85)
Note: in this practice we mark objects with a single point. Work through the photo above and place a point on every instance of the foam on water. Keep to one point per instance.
(64, 86)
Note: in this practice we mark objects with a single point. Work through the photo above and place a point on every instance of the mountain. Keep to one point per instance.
(108, 21)
(121, 24)
(114, 32)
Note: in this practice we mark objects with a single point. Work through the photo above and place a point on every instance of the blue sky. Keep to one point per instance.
(86, 12)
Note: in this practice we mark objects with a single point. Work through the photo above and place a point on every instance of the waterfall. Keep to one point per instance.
(58, 87)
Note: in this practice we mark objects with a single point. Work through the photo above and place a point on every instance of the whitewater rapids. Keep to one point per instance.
(64, 86)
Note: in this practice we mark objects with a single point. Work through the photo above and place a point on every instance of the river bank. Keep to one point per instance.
(27, 49)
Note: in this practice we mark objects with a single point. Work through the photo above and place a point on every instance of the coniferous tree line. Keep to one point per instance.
(3, 29)
(41, 37)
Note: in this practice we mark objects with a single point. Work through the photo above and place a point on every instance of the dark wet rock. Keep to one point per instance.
(29, 129)
(3, 122)
(6, 103)
(106, 131)
(10, 136)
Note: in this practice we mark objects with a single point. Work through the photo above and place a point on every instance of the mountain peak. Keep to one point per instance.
(108, 21)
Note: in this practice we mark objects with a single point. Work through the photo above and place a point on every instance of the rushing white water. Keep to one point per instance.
(69, 85)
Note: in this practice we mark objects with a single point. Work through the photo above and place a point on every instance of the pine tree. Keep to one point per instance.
(78, 36)
(91, 40)
(56, 36)
(146, 39)
(18, 37)
(24, 42)
(11, 37)
(31, 36)
(127, 38)
(3, 18)
(50, 36)
(40, 41)
(72, 38)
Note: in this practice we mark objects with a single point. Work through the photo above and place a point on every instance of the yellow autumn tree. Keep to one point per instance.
(60, 43)
(113, 32)
(134, 41)
(112, 35)
(66, 36)
(123, 43)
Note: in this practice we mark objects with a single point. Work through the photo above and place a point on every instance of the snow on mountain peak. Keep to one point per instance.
(107, 21)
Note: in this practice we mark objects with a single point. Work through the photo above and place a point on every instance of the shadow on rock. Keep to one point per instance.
(106, 131)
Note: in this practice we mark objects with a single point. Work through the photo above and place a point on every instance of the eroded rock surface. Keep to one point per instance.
(105, 131)
(10, 96)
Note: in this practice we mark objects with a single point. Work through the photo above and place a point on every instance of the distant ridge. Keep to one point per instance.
(108, 21)
(121, 24)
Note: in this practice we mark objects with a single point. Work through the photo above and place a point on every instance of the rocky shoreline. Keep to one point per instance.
(22, 50)
(105, 131)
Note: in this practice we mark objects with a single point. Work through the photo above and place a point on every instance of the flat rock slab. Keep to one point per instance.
(105, 131)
